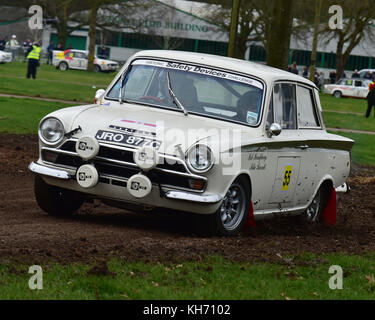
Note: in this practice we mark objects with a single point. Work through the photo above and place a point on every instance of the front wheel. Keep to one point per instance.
(337, 94)
(56, 201)
(63, 66)
(229, 219)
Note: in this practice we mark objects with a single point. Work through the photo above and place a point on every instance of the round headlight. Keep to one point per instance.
(51, 130)
(199, 158)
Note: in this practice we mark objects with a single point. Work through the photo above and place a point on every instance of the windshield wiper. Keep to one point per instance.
(121, 89)
(174, 98)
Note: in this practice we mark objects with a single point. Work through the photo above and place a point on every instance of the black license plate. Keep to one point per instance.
(128, 139)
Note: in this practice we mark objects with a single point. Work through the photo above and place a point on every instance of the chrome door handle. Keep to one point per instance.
(304, 147)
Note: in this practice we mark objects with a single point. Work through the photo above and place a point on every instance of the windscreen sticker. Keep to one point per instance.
(287, 178)
(251, 117)
(199, 70)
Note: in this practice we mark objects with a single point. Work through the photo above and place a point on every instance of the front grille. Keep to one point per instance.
(124, 155)
(119, 170)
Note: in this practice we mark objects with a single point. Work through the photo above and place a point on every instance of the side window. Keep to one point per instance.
(69, 54)
(284, 103)
(306, 114)
(358, 83)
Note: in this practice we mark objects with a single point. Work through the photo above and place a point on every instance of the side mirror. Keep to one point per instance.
(274, 130)
(98, 94)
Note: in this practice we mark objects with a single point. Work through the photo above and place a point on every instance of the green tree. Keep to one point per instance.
(357, 25)
(280, 34)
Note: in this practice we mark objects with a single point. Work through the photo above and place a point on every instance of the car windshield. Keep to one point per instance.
(200, 90)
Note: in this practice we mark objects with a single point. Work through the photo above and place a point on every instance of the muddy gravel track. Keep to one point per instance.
(29, 235)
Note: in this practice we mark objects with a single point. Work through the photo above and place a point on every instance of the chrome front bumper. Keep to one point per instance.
(174, 195)
(199, 198)
(46, 171)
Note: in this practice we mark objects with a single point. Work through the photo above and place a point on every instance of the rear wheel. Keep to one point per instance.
(63, 66)
(96, 68)
(56, 201)
(313, 213)
(315, 209)
(337, 94)
(229, 219)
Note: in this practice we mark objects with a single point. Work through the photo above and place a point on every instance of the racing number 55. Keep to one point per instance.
(287, 177)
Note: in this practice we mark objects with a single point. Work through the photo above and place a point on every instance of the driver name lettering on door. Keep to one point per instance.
(287, 177)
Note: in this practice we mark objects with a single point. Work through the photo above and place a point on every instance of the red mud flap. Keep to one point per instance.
(250, 221)
(329, 212)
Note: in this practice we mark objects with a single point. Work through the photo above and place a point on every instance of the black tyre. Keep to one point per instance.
(97, 68)
(337, 94)
(313, 213)
(229, 219)
(56, 201)
(63, 66)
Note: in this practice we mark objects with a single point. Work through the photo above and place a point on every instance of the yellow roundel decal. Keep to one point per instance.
(287, 177)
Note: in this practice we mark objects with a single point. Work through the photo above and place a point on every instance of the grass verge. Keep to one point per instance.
(349, 121)
(306, 277)
(23, 115)
(363, 152)
(51, 83)
(328, 102)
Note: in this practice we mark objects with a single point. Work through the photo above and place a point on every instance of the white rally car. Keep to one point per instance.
(227, 139)
(355, 88)
(77, 59)
(5, 57)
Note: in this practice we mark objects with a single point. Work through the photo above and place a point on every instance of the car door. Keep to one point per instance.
(312, 155)
(284, 150)
(84, 61)
(78, 59)
(362, 88)
(70, 57)
(350, 89)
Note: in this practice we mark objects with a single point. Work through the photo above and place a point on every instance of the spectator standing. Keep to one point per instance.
(13, 45)
(305, 73)
(59, 47)
(2, 44)
(370, 98)
(316, 78)
(294, 68)
(321, 81)
(103, 52)
(332, 77)
(26, 46)
(50, 49)
(355, 74)
(33, 60)
(368, 75)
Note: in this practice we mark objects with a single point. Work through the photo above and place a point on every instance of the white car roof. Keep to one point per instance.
(264, 72)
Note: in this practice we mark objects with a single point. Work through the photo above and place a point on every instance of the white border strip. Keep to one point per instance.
(199, 70)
